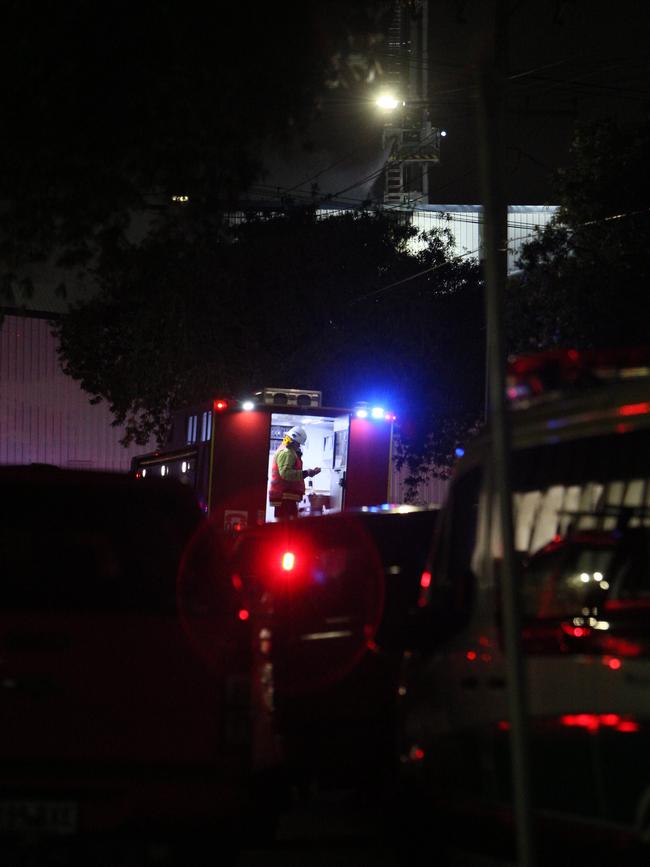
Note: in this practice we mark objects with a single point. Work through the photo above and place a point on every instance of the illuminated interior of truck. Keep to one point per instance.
(326, 447)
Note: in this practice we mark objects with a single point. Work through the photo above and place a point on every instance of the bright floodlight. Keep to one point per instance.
(362, 413)
(248, 405)
(387, 101)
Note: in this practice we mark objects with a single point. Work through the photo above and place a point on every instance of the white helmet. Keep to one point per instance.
(298, 435)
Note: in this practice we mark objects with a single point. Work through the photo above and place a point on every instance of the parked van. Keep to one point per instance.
(581, 502)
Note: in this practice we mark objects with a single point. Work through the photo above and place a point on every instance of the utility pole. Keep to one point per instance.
(492, 147)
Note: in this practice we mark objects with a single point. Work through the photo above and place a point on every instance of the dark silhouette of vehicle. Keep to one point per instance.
(581, 513)
(125, 684)
(330, 598)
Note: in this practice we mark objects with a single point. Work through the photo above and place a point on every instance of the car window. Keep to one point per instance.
(582, 574)
(598, 483)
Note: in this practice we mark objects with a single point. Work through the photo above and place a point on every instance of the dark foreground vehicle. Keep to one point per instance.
(581, 513)
(118, 715)
(330, 599)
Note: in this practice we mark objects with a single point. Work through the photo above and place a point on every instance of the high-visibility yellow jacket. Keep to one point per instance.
(287, 478)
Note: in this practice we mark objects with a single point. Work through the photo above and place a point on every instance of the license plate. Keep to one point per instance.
(47, 817)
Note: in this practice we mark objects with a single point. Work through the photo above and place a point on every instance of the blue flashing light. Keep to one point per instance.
(459, 452)
(362, 413)
(377, 412)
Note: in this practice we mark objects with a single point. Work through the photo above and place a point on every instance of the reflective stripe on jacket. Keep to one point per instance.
(287, 482)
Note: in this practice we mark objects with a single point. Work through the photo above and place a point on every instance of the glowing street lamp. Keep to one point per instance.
(388, 102)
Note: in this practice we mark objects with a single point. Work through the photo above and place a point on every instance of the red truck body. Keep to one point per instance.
(223, 450)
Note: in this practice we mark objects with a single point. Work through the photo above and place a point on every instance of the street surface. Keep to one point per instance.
(324, 829)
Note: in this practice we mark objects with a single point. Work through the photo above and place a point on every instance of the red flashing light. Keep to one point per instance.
(220, 404)
(530, 376)
(237, 583)
(614, 663)
(634, 409)
(628, 725)
(288, 561)
(503, 725)
(471, 655)
(243, 614)
(425, 580)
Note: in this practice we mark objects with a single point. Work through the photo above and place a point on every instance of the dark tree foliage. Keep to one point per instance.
(109, 109)
(584, 278)
(336, 303)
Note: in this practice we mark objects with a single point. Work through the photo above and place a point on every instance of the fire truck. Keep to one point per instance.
(224, 449)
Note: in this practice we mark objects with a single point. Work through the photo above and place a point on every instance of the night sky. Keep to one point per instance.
(568, 61)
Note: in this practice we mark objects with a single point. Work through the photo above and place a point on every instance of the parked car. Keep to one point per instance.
(330, 597)
(118, 714)
(581, 511)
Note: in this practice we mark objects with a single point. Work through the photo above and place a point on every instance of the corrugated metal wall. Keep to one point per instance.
(461, 220)
(465, 224)
(45, 417)
(431, 493)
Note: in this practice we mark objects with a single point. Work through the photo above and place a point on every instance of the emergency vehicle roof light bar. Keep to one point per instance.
(561, 370)
(366, 410)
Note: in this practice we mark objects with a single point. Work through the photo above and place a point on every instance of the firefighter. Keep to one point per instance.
(287, 475)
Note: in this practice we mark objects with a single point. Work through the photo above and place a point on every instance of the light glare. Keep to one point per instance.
(288, 561)
(387, 101)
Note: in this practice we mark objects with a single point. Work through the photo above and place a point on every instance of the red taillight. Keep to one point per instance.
(593, 722)
(220, 404)
(628, 726)
(634, 409)
(575, 631)
(425, 580)
(288, 561)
